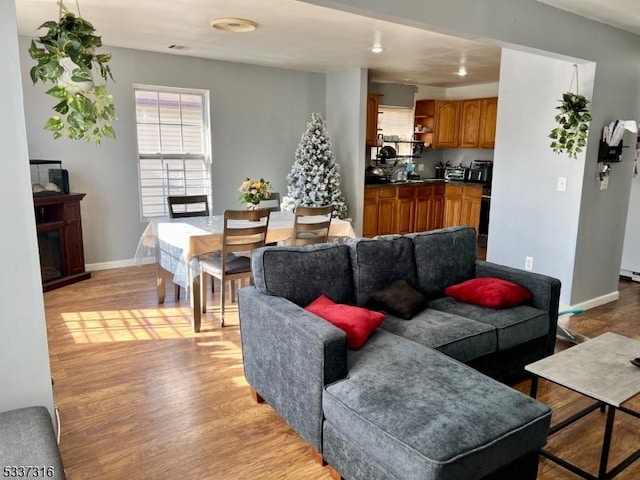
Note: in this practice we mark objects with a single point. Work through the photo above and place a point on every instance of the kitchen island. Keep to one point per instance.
(420, 205)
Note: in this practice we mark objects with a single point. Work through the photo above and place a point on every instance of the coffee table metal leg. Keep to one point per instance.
(534, 386)
(606, 444)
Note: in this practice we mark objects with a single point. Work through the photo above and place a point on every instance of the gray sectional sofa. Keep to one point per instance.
(407, 405)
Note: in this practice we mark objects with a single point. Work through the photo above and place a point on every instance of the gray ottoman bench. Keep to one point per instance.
(407, 412)
(27, 440)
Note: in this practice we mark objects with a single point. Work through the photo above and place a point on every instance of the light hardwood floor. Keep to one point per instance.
(142, 397)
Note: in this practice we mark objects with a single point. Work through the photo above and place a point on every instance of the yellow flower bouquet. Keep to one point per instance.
(252, 192)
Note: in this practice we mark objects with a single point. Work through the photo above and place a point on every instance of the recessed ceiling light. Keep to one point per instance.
(376, 49)
(462, 71)
(232, 24)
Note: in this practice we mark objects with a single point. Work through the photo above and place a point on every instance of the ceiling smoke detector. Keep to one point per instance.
(232, 24)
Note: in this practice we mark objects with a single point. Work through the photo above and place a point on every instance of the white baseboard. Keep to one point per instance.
(593, 302)
(635, 276)
(131, 262)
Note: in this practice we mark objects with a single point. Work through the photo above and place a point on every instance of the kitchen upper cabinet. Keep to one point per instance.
(447, 123)
(470, 123)
(488, 118)
(373, 104)
(456, 123)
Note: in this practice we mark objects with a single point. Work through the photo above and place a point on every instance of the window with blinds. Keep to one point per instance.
(174, 156)
(397, 121)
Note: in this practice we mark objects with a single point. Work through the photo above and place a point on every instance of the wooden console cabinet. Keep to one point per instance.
(59, 228)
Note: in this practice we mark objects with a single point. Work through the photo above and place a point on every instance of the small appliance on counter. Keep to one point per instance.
(455, 173)
(479, 171)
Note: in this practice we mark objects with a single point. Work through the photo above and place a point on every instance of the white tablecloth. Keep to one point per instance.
(177, 242)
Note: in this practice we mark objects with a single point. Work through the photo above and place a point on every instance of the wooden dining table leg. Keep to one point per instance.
(196, 302)
(160, 283)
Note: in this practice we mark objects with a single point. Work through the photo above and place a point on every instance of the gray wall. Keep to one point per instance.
(529, 24)
(394, 94)
(258, 115)
(346, 122)
(528, 216)
(24, 360)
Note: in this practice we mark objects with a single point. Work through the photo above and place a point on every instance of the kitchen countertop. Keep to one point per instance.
(423, 181)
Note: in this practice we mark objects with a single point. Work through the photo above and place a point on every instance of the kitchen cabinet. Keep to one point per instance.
(488, 118)
(470, 123)
(424, 121)
(462, 205)
(403, 209)
(447, 123)
(429, 206)
(373, 103)
(370, 214)
(456, 123)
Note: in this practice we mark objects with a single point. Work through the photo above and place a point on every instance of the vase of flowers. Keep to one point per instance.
(252, 192)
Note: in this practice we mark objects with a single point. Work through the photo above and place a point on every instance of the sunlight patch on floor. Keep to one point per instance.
(109, 326)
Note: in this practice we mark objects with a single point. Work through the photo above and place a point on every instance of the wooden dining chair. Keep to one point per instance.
(244, 231)
(181, 206)
(311, 225)
(272, 203)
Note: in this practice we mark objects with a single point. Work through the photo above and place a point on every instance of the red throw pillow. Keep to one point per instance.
(357, 322)
(489, 292)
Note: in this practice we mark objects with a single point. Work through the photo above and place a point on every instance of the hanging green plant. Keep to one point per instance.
(66, 56)
(570, 135)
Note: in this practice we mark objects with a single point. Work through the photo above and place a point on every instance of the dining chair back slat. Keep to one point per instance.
(181, 206)
(311, 225)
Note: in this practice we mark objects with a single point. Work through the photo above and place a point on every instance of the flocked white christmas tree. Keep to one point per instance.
(314, 179)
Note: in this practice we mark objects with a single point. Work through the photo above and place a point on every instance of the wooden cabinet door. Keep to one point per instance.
(470, 123)
(471, 201)
(488, 117)
(422, 217)
(447, 123)
(436, 208)
(74, 254)
(386, 216)
(373, 102)
(405, 206)
(452, 205)
(370, 214)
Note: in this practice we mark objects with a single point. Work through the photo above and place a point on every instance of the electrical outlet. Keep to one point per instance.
(528, 263)
(561, 185)
(421, 167)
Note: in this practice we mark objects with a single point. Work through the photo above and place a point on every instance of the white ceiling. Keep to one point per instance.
(290, 34)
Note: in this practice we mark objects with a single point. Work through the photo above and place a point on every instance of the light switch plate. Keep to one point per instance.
(561, 185)
(421, 167)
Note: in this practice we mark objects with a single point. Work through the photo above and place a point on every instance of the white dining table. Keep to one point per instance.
(176, 244)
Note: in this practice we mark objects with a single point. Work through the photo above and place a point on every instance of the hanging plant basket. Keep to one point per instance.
(570, 135)
(67, 57)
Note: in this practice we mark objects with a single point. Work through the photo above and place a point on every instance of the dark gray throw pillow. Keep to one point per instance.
(401, 299)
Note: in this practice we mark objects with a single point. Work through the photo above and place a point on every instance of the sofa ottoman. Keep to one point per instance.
(411, 413)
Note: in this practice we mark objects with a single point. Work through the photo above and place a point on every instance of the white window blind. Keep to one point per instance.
(397, 121)
(173, 149)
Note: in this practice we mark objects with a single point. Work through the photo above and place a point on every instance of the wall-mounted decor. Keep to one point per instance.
(570, 135)
(67, 57)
